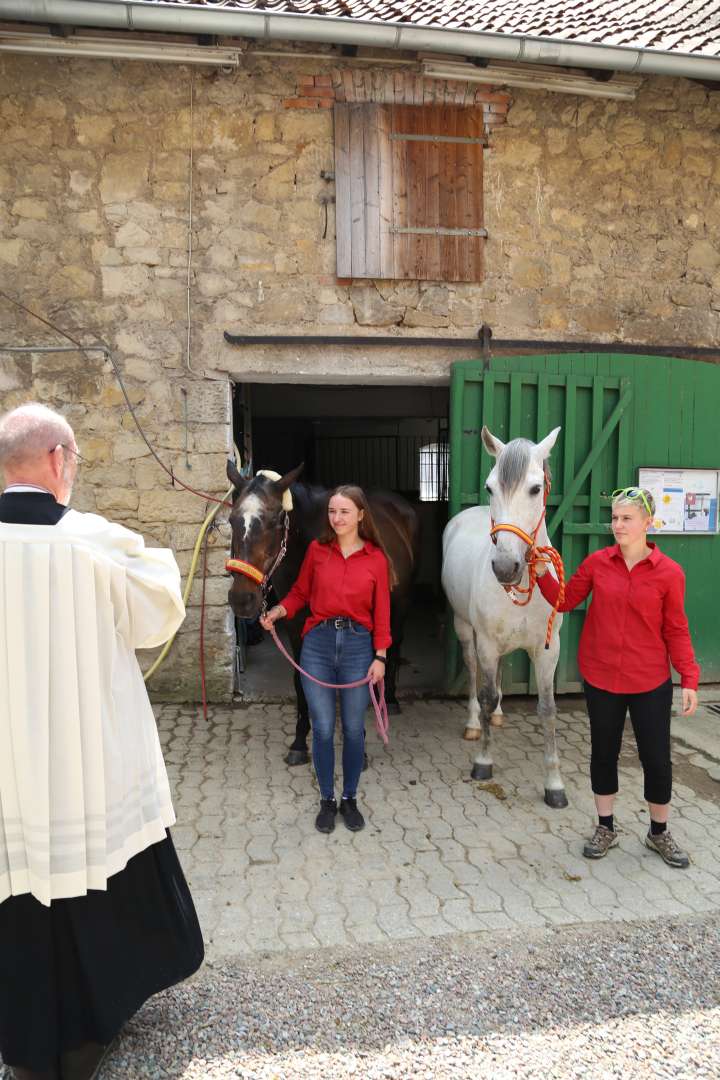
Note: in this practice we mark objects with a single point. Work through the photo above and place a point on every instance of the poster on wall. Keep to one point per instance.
(686, 500)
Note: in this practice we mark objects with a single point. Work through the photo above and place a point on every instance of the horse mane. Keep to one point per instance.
(308, 497)
(513, 462)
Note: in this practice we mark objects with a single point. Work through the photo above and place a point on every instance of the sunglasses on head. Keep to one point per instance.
(632, 493)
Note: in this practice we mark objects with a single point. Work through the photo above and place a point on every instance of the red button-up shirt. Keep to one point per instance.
(331, 585)
(636, 622)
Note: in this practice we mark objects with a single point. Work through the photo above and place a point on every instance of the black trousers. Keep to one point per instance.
(75, 971)
(650, 718)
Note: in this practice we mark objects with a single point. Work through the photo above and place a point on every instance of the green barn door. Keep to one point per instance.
(676, 426)
(528, 396)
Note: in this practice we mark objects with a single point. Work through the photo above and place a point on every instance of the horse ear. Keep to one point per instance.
(289, 478)
(543, 448)
(493, 445)
(234, 476)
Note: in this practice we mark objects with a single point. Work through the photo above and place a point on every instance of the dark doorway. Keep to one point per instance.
(381, 437)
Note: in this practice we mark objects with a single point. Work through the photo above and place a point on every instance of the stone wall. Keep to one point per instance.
(602, 220)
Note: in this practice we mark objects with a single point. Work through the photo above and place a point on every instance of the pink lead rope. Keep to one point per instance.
(379, 704)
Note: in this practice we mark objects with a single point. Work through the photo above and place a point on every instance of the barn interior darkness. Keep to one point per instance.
(381, 437)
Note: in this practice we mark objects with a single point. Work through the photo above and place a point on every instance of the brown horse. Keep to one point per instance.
(259, 526)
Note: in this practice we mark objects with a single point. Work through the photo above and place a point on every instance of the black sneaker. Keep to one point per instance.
(354, 820)
(325, 821)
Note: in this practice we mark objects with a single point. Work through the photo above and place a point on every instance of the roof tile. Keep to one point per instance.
(683, 26)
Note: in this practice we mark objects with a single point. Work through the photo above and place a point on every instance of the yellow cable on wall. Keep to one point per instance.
(188, 584)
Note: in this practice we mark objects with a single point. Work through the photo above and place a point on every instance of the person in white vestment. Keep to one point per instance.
(95, 913)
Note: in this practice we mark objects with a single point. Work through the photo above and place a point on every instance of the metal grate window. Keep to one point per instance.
(433, 472)
(389, 462)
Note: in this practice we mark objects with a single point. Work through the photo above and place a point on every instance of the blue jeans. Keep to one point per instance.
(337, 656)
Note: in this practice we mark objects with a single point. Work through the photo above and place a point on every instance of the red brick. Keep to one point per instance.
(326, 103)
(315, 91)
(492, 97)
(323, 80)
(306, 80)
(300, 103)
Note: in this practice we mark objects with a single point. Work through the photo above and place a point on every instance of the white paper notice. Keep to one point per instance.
(686, 500)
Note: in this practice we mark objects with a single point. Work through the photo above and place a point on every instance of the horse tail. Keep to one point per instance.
(404, 521)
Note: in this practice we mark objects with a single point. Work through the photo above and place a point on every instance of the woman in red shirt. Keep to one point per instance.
(345, 580)
(634, 628)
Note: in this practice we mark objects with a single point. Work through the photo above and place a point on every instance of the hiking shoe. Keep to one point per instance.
(600, 842)
(325, 821)
(352, 817)
(668, 849)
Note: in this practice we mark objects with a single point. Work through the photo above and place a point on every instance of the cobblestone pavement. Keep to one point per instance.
(441, 854)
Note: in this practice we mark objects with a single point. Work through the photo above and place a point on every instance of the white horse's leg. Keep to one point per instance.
(483, 766)
(545, 661)
(497, 717)
(466, 637)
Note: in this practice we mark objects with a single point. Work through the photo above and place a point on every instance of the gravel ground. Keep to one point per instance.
(606, 1000)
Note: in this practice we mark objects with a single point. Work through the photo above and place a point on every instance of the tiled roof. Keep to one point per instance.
(680, 26)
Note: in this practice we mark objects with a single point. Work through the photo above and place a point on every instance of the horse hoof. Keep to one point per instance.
(297, 757)
(481, 772)
(365, 762)
(472, 733)
(556, 798)
(497, 719)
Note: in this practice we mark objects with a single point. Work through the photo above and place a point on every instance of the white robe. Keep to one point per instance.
(83, 785)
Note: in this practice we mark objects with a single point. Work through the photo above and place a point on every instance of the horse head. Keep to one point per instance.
(516, 486)
(258, 527)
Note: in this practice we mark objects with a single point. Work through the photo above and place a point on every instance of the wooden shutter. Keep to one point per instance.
(408, 183)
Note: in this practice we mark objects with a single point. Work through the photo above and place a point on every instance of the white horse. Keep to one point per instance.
(477, 569)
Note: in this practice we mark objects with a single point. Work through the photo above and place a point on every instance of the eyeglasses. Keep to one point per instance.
(632, 493)
(64, 446)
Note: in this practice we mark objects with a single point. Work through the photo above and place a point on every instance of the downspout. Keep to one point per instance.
(143, 15)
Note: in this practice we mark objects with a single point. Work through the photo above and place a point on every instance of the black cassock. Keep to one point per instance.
(75, 971)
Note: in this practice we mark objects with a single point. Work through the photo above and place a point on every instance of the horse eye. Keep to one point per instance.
(535, 489)
(488, 489)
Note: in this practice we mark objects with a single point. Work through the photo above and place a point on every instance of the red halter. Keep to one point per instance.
(533, 556)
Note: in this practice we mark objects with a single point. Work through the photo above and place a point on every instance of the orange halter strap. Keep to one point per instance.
(239, 566)
(533, 556)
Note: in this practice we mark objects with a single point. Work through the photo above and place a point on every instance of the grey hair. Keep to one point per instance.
(637, 500)
(513, 464)
(30, 431)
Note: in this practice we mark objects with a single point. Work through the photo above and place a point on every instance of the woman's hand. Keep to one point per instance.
(689, 702)
(376, 671)
(275, 613)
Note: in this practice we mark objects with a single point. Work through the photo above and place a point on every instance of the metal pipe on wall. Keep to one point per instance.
(386, 341)
(183, 19)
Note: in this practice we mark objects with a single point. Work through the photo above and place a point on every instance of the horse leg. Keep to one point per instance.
(545, 661)
(498, 717)
(466, 637)
(298, 752)
(398, 615)
(393, 663)
(483, 766)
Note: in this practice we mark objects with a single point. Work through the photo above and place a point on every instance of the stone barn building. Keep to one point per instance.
(352, 193)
